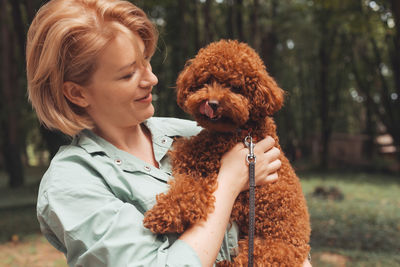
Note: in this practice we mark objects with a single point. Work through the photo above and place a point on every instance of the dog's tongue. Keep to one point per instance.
(205, 109)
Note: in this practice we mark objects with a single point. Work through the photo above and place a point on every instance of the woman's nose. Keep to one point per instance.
(149, 78)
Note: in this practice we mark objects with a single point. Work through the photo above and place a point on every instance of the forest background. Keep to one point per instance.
(339, 63)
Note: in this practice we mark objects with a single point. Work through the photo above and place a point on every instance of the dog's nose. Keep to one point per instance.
(213, 104)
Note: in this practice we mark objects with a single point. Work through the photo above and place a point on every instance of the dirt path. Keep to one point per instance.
(35, 251)
(32, 252)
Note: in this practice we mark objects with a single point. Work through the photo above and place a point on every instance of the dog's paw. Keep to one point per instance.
(161, 221)
(224, 264)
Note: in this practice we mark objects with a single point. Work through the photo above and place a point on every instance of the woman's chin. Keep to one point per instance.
(140, 115)
(149, 112)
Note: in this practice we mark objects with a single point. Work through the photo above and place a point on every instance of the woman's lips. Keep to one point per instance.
(145, 99)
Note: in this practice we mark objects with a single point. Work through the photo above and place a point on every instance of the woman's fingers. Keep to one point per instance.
(272, 177)
(272, 154)
(274, 166)
(264, 145)
(268, 160)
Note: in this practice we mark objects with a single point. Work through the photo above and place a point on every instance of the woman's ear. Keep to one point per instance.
(76, 94)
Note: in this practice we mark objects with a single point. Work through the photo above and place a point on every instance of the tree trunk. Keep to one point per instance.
(368, 148)
(396, 50)
(239, 19)
(30, 10)
(270, 41)
(324, 104)
(254, 25)
(19, 27)
(396, 74)
(230, 20)
(325, 50)
(208, 34)
(10, 122)
(184, 40)
(197, 41)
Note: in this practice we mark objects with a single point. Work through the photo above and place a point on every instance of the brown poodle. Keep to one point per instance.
(227, 89)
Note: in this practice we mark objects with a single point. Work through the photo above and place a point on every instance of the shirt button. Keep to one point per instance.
(118, 161)
(147, 168)
(163, 141)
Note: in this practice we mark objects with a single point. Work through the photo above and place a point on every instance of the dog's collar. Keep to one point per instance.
(246, 132)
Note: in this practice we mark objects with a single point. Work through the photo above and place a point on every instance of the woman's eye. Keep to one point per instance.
(128, 76)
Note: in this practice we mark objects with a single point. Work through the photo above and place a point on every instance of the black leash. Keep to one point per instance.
(251, 160)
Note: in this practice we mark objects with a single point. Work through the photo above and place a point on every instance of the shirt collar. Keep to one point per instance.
(93, 143)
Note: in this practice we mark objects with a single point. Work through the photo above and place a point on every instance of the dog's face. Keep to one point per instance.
(226, 86)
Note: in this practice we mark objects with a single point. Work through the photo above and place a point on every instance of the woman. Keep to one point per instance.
(89, 76)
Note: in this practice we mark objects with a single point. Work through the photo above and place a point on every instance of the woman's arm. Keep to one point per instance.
(206, 237)
(82, 217)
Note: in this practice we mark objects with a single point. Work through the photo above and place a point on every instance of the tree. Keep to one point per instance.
(10, 123)
(378, 50)
(326, 42)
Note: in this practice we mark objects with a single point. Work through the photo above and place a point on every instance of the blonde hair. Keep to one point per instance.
(63, 43)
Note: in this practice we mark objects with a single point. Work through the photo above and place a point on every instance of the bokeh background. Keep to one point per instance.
(338, 61)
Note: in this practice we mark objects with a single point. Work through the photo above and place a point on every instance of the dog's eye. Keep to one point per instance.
(236, 89)
(195, 88)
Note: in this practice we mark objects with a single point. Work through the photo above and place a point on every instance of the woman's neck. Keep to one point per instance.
(135, 140)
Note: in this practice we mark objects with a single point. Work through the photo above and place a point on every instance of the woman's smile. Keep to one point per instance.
(146, 99)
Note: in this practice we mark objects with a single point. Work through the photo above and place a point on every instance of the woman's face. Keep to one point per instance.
(119, 94)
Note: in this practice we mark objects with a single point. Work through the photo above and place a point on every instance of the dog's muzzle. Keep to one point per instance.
(209, 108)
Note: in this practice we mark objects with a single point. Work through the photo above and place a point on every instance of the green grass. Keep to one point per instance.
(18, 206)
(363, 228)
(353, 258)
(20, 221)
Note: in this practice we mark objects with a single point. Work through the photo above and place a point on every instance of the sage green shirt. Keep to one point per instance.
(93, 196)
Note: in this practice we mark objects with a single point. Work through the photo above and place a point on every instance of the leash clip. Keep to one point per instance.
(251, 161)
(248, 141)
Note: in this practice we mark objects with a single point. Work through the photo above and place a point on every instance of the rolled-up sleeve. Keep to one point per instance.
(94, 228)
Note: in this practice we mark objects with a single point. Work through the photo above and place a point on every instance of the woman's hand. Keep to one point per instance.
(206, 237)
(234, 171)
(307, 263)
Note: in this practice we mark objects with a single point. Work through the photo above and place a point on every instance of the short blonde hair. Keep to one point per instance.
(63, 43)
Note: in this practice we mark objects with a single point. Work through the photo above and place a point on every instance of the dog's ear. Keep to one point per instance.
(268, 96)
(183, 83)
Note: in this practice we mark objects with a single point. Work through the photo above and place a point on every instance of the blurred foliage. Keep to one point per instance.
(368, 217)
(338, 61)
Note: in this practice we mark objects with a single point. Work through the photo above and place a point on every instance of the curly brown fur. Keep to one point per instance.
(229, 92)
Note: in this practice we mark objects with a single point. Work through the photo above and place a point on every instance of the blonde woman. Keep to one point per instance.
(89, 76)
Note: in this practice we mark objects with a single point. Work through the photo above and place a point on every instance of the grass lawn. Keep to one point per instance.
(362, 229)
